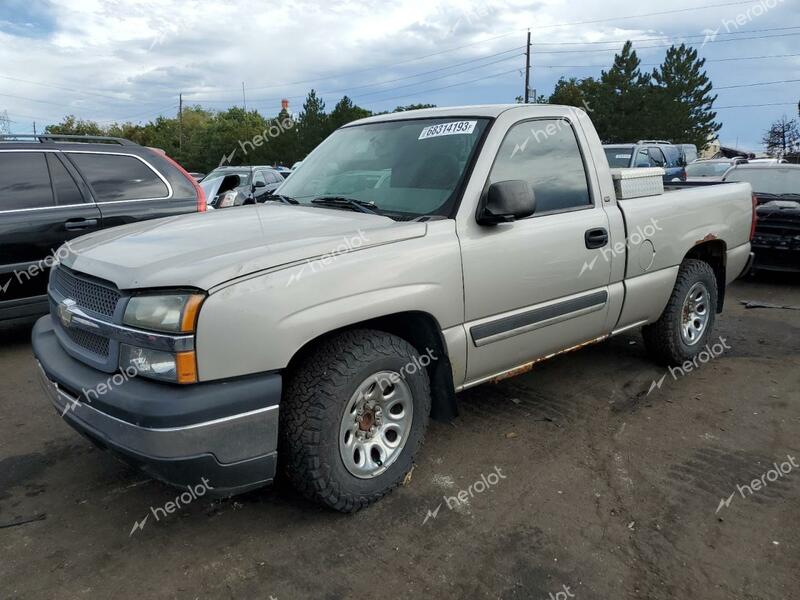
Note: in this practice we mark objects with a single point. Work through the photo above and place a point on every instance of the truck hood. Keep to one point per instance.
(206, 249)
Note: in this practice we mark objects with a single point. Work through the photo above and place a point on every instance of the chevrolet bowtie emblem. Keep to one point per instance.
(65, 312)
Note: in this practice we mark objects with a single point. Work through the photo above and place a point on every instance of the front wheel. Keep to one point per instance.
(353, 416)
(683, 328)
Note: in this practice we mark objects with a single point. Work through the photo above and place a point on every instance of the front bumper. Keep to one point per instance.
(225, 432)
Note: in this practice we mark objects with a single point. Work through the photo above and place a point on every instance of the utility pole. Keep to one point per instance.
(244, 100)
(180, 124)
(528, 68)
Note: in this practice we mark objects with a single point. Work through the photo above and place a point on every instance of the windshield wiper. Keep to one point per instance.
(281, 198)
(344, 202)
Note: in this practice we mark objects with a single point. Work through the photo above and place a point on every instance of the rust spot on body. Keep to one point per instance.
(529, 365)
(709, 238)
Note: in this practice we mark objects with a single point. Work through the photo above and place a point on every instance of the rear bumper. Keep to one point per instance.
(225, 432)
(769, 258)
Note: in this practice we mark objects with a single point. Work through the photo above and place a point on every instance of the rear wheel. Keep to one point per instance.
(683, 328)
(354, 414)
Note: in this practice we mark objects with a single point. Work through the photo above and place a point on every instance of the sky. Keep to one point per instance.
(128, 60)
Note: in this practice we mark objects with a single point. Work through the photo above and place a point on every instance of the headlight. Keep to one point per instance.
(173, 313)
(180, 367)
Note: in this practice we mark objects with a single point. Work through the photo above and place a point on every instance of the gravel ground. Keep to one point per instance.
(580, 482)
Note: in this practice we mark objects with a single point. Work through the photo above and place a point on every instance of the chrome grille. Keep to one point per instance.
(95, 344)
(87, 294)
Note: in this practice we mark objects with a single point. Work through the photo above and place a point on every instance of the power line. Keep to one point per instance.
(708, 60)
(61, 87)
(658, 39)
(756, 105)
(762, 37)
(413, 83)
(378, 83)
(730, 87)
(444, 87)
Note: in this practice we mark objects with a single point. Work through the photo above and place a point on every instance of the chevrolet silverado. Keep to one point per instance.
(412, 256)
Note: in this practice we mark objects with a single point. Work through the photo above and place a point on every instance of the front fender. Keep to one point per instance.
(257, 324)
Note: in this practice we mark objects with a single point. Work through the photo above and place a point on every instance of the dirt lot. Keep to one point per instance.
(589, 489)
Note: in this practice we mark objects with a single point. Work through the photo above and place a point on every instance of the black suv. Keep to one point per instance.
(56, 188)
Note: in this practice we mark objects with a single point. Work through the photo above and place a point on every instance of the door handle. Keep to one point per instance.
(78, 224)
(596, 238)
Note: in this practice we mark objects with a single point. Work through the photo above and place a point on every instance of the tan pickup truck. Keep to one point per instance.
(409, 257)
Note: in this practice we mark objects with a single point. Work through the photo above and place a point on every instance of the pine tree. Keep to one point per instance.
(622, 99)
(344, 112)
(681, 109)
(312, 123)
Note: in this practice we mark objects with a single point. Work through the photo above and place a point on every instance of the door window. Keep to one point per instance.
(116, 178)
(545, 153)
(657, 157)
(259, 176)
(64, 186)
(24, 181)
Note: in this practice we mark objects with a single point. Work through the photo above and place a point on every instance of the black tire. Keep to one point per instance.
(317, 393)
(663, 338)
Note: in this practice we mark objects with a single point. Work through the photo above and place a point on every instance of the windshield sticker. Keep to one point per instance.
(452, 128)
(623, 156)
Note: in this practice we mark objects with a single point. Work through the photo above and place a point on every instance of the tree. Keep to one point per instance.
(312, 125)
(344, 112)
(782, 138)
(71, 125)
(621, 98)
(413, 107)
(681, 106)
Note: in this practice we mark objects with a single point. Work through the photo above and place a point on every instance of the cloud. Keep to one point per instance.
(123, 58)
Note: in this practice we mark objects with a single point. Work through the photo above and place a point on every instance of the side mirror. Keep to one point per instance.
(259, 184)
(506, 201)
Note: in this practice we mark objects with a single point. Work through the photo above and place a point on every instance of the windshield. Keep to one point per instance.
(404, 168)
(769, 181)
(619, 158)
(707, 169)
(244, 175)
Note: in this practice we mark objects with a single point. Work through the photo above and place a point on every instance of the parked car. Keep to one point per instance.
(712, 169)
(648, 154)
(327, 329)
(777, 236)
(689, 152)
(233, 186)
(769, 161)
(284, 171)
(54, 188)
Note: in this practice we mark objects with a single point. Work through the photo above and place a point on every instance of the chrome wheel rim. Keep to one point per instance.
(695, 314)
(376, 424)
